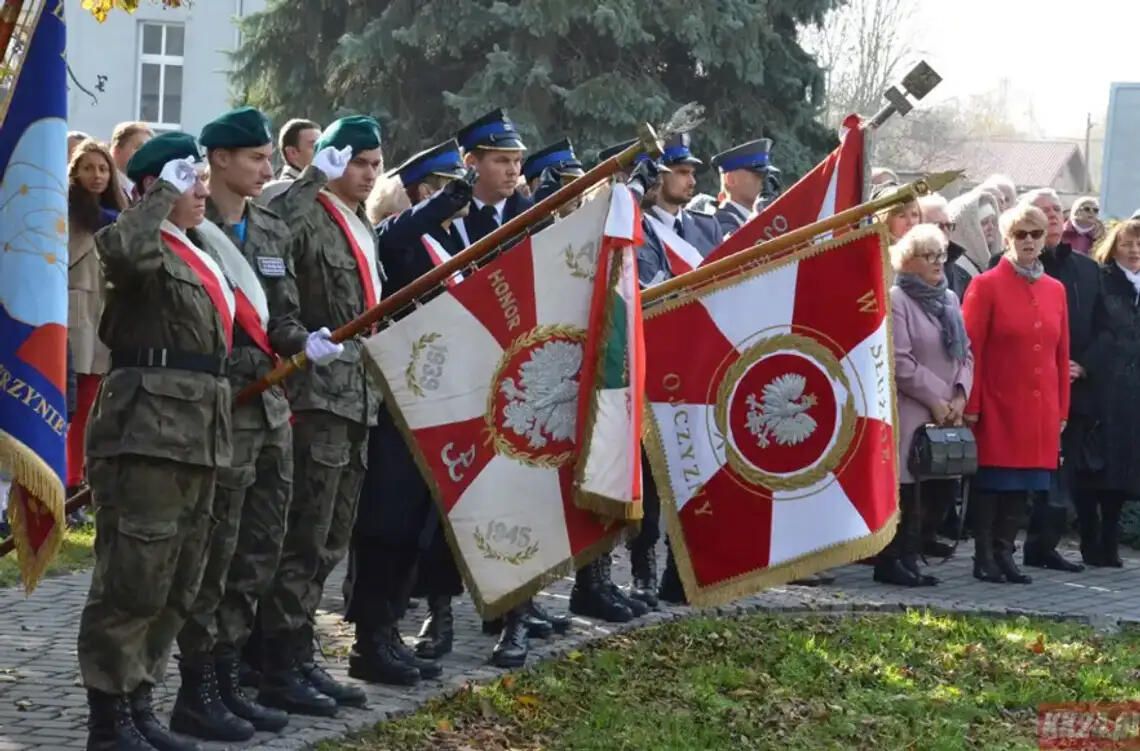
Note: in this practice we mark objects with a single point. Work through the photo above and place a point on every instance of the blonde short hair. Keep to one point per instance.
(922, 238)
(388, 197)
(1022, 212)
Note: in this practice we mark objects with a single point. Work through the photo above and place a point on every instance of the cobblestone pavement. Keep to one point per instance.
(43, 707)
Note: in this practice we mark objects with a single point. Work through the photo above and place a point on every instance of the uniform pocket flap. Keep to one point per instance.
(236, 478)
(330, 455)
(176, 387)
(147, 530)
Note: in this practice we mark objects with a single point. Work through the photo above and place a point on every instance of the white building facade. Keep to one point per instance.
(166, 67)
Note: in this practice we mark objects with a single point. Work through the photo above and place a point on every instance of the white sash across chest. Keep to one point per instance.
(237, 268)
(210, 265)
(364, 236)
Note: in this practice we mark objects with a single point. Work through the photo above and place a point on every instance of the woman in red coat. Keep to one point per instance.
(1017, 320)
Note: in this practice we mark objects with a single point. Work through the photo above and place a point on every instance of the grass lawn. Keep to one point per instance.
(907, 681)
(75, 554)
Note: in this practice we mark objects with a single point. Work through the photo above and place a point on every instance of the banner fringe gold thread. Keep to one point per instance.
(42, 487)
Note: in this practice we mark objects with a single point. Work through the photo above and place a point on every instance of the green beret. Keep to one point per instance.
(153, 155)
(358, 131)
(237, 129)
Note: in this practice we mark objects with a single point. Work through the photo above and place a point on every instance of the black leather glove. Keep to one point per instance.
(457, 193)
(772, 187)
(645, 176)
(549, 182)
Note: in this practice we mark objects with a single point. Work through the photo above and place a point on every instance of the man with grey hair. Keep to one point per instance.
(936, 210)
(1081, 277)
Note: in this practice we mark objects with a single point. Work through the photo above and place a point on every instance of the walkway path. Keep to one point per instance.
(42, 706)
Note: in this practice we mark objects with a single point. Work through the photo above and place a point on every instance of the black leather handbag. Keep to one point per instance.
(938, 452)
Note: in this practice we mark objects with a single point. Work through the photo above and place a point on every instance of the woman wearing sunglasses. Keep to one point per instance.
(1017, 321)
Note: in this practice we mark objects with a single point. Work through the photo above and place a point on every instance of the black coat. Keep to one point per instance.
(1113, 363)
(956, 276)
(1081, 277)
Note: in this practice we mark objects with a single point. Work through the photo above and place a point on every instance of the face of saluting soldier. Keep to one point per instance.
(498, 173)
(359, 177)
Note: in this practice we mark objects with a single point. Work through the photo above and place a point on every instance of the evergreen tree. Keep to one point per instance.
(588, 70)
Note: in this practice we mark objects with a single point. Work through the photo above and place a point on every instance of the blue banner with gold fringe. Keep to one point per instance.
(33, 285)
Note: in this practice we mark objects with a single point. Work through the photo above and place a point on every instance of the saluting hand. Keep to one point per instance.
(181, 173)
(333, 161)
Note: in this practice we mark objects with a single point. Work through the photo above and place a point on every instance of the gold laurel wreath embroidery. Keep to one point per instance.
(418, 347)
(514, 559)
(574, 262)
(526, 341)
(831, 459)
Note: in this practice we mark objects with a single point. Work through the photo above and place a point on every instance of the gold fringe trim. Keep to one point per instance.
(610, 508)
(43, 488)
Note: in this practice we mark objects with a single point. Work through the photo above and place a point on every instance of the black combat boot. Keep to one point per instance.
(560, 624)
(671, 590)
(1009, 512)
(235, 699)
(513, 646)
(110, 726)
(643, 561)
(428, 668)
(592, 599)
(344, 694)
(142, 714)
(983, 515)
(199, 710)
(284, 687)
(438, 632)
(606, 579)
(537, 627)
(374, 658)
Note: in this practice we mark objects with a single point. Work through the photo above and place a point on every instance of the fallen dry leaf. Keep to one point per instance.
(1038, 647)
(528, 700)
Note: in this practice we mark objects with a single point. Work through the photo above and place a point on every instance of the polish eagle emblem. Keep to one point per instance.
(782, 412)
(543, 405)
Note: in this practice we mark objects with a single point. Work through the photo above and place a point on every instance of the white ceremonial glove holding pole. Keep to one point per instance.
(181, 173)
(320, 349)
(333, 161)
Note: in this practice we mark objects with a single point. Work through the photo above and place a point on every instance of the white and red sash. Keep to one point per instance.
(251, 309)
(361, 239)
(440, 256)
(680, 253)
(208, 272)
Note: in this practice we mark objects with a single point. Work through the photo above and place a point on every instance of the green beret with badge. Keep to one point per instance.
(153, 155)
(245, 127)
(361, 132)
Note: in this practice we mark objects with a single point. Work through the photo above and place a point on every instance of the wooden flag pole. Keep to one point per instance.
(704, 274)
(647, 143)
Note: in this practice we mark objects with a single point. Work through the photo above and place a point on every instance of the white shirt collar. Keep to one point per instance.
(665, 216)
(500, 207)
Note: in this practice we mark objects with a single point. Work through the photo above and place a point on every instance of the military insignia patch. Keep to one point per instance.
(271, 265)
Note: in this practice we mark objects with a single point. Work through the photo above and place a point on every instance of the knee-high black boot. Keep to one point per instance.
(983, 515)
(1110, 509)
(889, 565)
(1089, 524)
(1010, 509)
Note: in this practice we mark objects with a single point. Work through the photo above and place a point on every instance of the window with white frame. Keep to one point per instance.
(160, 75)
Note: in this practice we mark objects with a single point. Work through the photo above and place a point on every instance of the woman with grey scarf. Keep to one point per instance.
(934, 371)
(1018, 321)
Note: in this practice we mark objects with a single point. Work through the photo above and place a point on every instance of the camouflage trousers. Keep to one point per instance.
(250, 504)
(151, 527)
(329, 460)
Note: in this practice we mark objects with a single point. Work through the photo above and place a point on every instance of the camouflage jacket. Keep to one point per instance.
(155, 300)
(265, 249)
(331, 295)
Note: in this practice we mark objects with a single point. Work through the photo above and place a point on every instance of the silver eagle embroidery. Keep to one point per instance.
(783, 415)
(543, 406)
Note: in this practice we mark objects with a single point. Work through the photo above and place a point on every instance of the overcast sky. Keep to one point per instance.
(1060, 56)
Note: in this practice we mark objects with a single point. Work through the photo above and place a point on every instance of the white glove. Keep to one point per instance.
(333, 161)
(181, 173)
(320, 349)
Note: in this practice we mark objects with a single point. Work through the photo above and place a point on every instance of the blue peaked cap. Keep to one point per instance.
(442, 159)
(491, 131)
(753, 155)
(559, 155)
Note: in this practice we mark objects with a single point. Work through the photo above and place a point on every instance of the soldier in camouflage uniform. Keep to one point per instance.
(333, 248)
(253, 494)
(159, 430)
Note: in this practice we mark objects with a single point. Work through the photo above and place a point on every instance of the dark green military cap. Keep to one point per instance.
(153, 155)
(237, 129)
(358, 131)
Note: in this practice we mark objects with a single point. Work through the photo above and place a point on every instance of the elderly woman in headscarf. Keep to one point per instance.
(934, 371)
(975, 219)
(1005, 189)
(1083, 228)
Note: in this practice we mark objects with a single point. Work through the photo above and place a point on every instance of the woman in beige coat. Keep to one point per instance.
(94, 200)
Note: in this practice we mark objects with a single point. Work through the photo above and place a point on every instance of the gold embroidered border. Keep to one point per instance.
(846, 429)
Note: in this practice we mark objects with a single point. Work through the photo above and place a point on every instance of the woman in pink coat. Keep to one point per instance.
(934, 370)
(1017, 319)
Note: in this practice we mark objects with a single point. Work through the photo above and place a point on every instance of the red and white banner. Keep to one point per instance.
(484, 379)
(833, 185)
(770, 419)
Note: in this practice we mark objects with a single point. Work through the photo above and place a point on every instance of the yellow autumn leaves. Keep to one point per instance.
(101, 8)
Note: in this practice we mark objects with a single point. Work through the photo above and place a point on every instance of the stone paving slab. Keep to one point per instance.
(42, 705)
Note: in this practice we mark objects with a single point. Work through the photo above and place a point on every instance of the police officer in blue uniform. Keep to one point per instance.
(561, 161)
(395, 504)
(668, 190)
(743, 174)
(493, 148)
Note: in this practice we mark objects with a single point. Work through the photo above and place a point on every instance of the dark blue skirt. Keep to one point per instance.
(1009, 480)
